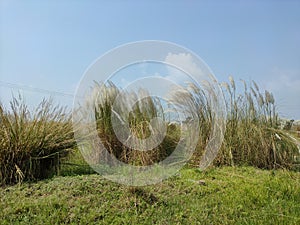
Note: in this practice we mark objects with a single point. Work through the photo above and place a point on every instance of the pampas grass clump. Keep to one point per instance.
(32, 143)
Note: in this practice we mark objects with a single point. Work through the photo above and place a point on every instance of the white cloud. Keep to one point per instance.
(183, 61)
(285, 84)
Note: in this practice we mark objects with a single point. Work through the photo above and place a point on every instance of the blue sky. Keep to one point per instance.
(49, 44)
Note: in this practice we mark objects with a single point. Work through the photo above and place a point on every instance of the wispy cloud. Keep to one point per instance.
(285, 84)
(183, 61)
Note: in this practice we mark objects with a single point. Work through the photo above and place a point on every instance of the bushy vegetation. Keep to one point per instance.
(252, 136)
(32, 142)
(139, 120)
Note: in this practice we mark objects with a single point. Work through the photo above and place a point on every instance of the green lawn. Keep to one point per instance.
(226, 195)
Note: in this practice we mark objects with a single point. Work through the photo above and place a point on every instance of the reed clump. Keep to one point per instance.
(32, 142)
(253, 135)
(135, 109)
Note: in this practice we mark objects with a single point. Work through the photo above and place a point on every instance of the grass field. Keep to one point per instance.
(226, 195)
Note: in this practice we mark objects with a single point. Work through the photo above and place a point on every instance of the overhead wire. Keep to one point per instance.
(34, 89)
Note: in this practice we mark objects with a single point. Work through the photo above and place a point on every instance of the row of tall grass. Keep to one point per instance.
(32, 142)
(252, 136)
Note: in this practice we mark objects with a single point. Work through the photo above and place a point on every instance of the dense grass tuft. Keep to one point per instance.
(252, 136)
(138, 115)
(32, 143)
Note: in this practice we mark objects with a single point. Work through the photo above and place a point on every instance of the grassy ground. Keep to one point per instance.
(227, 195)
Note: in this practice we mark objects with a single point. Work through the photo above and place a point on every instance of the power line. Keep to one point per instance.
(34, 89)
